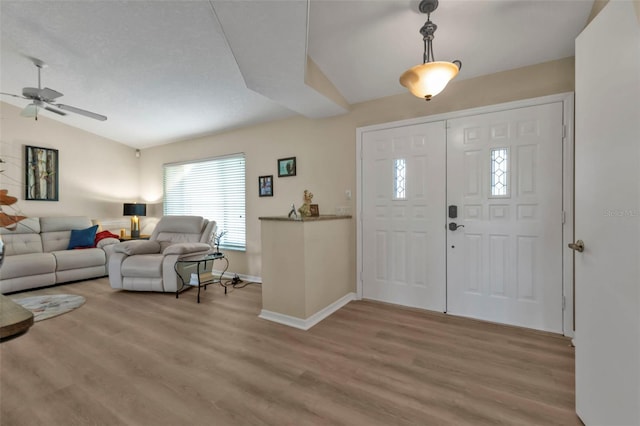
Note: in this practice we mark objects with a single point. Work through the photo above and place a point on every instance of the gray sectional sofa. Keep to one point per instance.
(37, 254)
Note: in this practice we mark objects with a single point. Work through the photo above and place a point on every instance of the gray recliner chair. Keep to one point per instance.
(148, 265)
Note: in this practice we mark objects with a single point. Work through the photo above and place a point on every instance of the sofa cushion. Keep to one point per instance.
(184, 248)
(179, 229)
(56, 231)
(82, 238)
(76, 259)
(147, 266)
(30, 225)
(64, 223)
(25, 238)
(22, 265)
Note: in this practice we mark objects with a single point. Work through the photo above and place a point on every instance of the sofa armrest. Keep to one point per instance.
(107, 242)
(134, 247)
(186, 248)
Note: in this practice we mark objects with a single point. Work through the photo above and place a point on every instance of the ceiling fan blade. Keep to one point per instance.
(57, 111)
(47, 94)
(30, 111)
(30, 92)
(82, 112)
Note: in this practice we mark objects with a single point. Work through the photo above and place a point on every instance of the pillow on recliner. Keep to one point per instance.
(82, 238)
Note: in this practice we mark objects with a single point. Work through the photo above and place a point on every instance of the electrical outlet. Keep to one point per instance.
(343, 210)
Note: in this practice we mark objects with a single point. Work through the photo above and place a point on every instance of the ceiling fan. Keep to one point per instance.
(45, 99)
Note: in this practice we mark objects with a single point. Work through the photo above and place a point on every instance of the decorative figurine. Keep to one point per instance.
(305, 209)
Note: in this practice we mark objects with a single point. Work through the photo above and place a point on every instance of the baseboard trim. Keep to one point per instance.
(306, 324)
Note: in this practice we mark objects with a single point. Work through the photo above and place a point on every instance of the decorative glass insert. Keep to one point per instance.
(500, 172)
(400, 179)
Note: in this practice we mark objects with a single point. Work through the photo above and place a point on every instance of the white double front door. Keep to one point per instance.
(465, 216)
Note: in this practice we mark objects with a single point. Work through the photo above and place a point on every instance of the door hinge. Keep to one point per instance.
(564, 217)
(564, 131)
(564, 303)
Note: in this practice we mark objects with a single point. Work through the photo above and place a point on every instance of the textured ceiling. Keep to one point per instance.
(164, 71)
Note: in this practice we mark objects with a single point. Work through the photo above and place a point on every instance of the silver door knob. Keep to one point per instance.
(577, 246)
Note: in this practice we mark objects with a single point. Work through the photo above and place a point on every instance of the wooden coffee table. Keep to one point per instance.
(14, 319)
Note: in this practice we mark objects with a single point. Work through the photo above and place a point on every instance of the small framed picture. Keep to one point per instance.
(265, 186)
(315, 211)
(287, 167)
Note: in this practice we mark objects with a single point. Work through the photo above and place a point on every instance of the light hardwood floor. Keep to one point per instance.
(129, 358)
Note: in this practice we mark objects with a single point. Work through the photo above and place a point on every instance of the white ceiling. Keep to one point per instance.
(164, 71)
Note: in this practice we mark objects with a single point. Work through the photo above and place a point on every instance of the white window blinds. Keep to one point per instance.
(212, 188)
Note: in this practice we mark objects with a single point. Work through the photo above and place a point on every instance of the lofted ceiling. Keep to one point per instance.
(164, 71)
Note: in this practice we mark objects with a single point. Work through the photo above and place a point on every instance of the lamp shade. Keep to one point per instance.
(427, 80)
(134, 209)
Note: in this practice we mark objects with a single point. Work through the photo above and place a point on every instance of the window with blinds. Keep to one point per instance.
(212, 188)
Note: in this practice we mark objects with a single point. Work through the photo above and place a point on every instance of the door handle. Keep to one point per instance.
(453, 226)
(577, 246)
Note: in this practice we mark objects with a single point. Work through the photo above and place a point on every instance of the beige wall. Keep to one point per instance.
(96, 174)
(325, 149)
(306, 265)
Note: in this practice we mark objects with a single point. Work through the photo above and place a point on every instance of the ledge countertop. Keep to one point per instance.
(306, 218)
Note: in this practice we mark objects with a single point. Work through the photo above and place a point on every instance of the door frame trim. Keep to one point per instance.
(567, 100)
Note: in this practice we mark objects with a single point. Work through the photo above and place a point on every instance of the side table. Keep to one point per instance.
(14, 319)
(129, 238)
(211, 257)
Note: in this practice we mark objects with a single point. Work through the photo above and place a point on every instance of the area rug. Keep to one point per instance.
(45, 307)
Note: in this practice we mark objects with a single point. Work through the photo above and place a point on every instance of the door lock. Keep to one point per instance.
(454, 226)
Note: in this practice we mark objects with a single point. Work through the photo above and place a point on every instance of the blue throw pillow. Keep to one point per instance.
(82, 238)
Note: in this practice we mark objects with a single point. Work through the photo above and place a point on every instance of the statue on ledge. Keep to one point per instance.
(305, 209)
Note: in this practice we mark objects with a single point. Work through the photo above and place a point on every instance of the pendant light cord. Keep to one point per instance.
(427, 31)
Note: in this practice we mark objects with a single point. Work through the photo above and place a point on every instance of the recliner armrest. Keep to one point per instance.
(131, 248)
(186, 248)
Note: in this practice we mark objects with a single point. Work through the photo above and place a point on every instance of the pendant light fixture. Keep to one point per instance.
(431, 77)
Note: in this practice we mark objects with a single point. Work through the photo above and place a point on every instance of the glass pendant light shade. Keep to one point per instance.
(427, 80)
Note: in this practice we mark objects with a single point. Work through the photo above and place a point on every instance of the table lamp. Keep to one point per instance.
(134, 210)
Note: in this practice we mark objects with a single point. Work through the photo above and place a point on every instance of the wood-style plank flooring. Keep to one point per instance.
(129, 358)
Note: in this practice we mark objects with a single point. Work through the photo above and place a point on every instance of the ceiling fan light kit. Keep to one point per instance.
(44, 99)
(431, 77)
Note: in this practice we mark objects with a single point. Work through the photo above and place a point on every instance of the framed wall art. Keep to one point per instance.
(265, 186)
(41, 173)
(287, 167)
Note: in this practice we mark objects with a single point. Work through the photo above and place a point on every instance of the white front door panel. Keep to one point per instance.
(403, 239)
(504, 174)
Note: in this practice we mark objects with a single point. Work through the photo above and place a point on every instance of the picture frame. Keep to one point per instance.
(315, 211)
(41, 173)
(287, 167)
(265, 186)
